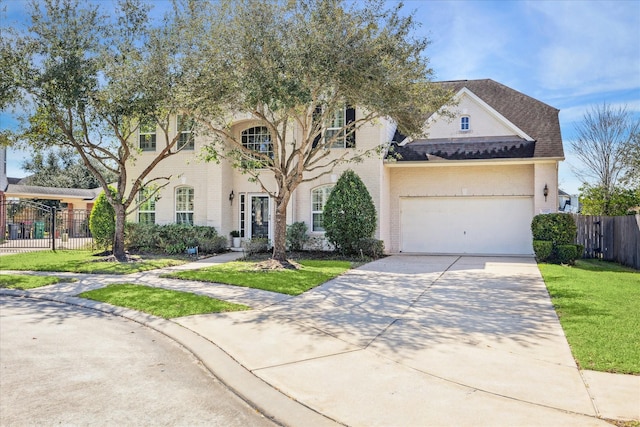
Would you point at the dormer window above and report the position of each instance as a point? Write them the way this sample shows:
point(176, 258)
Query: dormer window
point(464, 123)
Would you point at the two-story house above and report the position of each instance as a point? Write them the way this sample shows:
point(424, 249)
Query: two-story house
point(472, 186)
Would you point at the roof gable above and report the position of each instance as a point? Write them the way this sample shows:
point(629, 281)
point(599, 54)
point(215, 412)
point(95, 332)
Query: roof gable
point(535, 118)
point(505, 122)
point(484, 120)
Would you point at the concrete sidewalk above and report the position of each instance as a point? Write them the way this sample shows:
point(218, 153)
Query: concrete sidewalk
point(406, 340)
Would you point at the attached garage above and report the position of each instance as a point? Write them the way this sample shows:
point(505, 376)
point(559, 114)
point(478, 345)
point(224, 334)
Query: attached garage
point(466, 225)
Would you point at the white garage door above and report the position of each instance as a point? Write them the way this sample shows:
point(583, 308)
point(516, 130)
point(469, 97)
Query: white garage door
point(471, 225)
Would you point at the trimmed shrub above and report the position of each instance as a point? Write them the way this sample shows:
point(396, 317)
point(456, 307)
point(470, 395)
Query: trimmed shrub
point(349, 214)
point(141, 237)
point(372, 248)
point(297, 236)
point(102, 221)
point(579, 251)
point(213, 245)
point(543, 249)
point(173, 238)
point(566, 254)
point(558, 228)
point(255, 245)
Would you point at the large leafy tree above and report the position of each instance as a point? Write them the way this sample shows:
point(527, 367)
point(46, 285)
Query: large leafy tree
point(606, 145)
point(62, 168)
point(292, 65)
point(85, 81)
point(599, 201)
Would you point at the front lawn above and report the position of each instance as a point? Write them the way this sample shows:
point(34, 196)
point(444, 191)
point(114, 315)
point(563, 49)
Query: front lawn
point(290, 282)
point(81, 262)
point(164, 303)
point(24, 282)
point(598, 304)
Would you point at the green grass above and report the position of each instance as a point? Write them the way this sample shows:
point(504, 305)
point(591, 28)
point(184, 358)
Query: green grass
point(79, 262)
point(598, 304)
point(24, 282)
point(160, 302)
point(290, 282)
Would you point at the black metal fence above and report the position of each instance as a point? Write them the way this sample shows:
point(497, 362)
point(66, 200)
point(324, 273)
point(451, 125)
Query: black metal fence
point(28, 225)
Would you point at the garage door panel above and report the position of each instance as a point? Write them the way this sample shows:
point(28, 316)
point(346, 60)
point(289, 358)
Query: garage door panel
point(482, 225)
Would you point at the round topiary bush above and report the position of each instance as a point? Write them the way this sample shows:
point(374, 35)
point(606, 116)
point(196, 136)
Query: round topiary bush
point(102, 221)
point(349, 214)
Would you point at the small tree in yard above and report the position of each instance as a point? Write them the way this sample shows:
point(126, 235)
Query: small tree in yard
point(349, 214)
point(102, 221)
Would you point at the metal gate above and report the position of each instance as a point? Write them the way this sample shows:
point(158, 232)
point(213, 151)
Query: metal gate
point(27, 225)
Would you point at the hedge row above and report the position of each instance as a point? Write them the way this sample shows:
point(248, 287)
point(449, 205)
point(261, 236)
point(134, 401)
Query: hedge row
point(173, 238)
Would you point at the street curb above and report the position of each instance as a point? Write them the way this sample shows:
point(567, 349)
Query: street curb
point(270, 402)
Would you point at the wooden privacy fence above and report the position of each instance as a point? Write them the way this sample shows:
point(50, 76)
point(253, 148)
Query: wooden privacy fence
point(612, 238)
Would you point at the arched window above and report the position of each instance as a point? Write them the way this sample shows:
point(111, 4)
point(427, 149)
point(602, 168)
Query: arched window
point(319, 196)
point(258, 139)
point(184, 205)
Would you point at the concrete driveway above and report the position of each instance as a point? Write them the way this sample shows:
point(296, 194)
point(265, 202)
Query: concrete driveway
point(416, 340)
point(66, 365)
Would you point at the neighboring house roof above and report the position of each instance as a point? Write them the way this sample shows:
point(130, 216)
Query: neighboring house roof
point(563, 193)
point(49, 192)
point(15, 180)
point(535, 118)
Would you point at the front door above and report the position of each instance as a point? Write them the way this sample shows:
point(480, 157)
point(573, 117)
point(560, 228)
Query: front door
point(259, 217)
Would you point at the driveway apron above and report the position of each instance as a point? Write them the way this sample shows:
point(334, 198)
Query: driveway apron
point(416, 340)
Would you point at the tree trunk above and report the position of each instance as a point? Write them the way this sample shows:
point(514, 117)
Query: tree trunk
point(118, 237)
point(280, 230)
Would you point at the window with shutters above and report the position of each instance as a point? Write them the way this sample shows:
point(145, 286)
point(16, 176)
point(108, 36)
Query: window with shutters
point(338, 133)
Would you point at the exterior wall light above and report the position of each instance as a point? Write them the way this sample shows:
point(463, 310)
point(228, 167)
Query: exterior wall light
point(231, 196)
point(545, 192)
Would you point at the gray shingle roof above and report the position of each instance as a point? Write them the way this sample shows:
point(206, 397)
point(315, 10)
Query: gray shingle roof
point(503, 147)
point(535, 118)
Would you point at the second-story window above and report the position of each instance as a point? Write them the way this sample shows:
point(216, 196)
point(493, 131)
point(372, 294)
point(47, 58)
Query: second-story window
point(147, 135)
point(185, 128)
point(464, 123)
point(258, 139)
point(337, 134)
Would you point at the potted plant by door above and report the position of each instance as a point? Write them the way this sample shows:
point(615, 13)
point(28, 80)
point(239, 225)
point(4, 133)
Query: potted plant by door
point(235, 237)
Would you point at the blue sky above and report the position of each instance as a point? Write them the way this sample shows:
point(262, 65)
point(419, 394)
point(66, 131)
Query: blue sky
point(568, 54)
